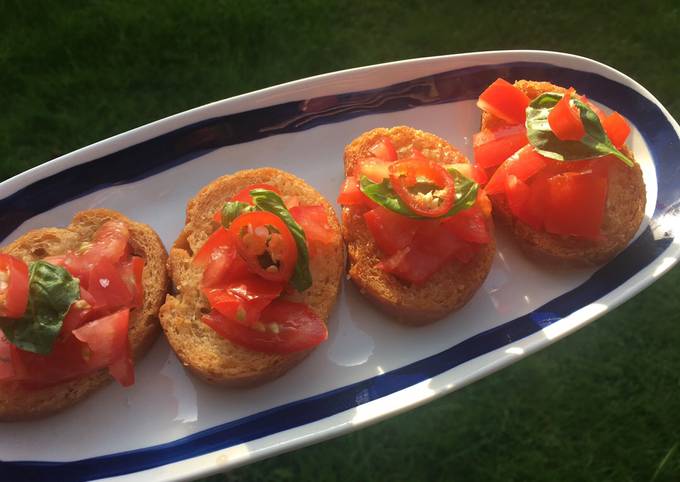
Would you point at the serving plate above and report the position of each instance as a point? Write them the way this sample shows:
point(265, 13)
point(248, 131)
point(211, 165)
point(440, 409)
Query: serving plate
point(171, 426)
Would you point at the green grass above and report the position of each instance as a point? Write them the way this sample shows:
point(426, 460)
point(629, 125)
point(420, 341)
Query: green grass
point(601, 405)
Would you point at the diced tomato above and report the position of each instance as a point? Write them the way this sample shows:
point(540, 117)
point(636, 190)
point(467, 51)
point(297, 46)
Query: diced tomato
point(384, 149)
point(243, 300)
point(219, 239)
point(291, 201)
point(565, 120)
point(576, 204)
point(266, 244)
point(109, 242)
point(417, 155)
point(406, 174)
point(131, 272)
point(523, 164)
point(13, 286)
point(108, 345)
point(505, 101)
point(391, 231)
point(73, 319)
point(469, 225)
point(412, 264)
point(472, 171)
point(107, 286)
point(226, 264)
point(314, 222)
point(484, 202)
point(244, 194)
point(373, 168)
point(351, 195)
point(518, 194)
point(284, 327)
point(617, 129)
point(492, 147)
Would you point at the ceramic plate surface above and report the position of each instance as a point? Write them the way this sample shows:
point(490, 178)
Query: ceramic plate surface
point(170, 425)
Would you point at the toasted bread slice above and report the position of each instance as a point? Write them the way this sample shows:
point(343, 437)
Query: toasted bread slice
point(624, 210)
point(450, 287)
point(198, 346)
point(18, 402)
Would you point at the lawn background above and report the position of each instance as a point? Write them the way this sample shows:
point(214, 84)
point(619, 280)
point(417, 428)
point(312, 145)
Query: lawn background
point(601, 405)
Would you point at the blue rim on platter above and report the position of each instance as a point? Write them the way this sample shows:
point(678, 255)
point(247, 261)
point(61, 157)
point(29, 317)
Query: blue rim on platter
point(179, 146)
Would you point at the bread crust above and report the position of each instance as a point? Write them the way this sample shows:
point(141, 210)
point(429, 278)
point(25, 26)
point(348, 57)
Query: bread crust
point(449, 288)
point(20, 403)
point(199, 348)
point(625, 207)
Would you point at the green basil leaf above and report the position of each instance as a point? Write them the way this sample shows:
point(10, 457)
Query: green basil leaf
point(383, 194)
point(270, 201)
point(233, 209)
point(51, 291)
point(594, 143)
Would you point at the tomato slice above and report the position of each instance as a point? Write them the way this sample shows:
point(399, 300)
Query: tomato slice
point(374, 168)
point(617, 129)
point(491, 148)
point(108, 346)
point(13, 286)
point(406, 175)
point(243, 300)
point(107, 286)
point(284, 327)
point(523, 164)
point(469, 225)
point(391, 231)
point(565, 119)
point(384, 149)
point(351, 195)
point(94, 345)
point(314, 222)
point(244, 194)
point(505, 101)
point(266, 244)
point(109, 242)
point(219, 239)
point(131, 272)
point(576, 204)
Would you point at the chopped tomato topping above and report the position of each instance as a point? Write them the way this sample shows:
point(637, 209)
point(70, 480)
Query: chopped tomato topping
point(284, 327)
point(565, 119)
point(314, 222)
point(244, 299)
point(110, 242)
point(392, 232)
point(384, 149)
point(351, 195)
point(523, 164)
point(491, 148)
point(425, 186)
point(266, 244)
point(13, 286)
point(217, 240)
point(617, 129)
point(576, 204)
point(469, 225)
point(132, 271)
point(107, 286)
point(505, 101)
point(107, 342)
point(373, 168)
